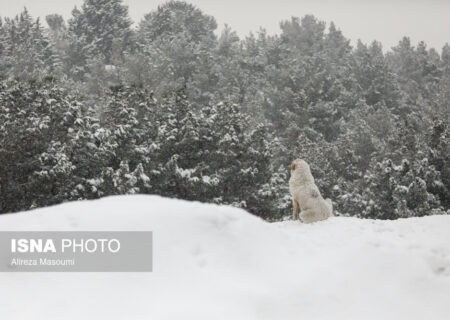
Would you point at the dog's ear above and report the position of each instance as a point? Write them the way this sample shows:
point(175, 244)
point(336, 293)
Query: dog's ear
point(293, 166)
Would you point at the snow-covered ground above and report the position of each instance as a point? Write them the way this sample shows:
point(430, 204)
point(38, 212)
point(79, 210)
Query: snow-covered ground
point(216, 262)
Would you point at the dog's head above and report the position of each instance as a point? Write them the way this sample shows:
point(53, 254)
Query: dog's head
point(300, 168)
point(299, 163)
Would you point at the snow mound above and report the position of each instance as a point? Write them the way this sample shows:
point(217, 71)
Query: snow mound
point(217, 262)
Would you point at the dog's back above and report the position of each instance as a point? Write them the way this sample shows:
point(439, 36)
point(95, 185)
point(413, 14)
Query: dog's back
point(319, 210)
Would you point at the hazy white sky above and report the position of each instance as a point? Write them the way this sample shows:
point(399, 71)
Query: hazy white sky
point(384, 20)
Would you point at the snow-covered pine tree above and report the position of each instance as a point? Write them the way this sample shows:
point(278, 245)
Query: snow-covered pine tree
point(401, 191)
point(58, 38)
point(178, 171)
point(2, 48)
point(39, 123)
point(377, 81)
point(129, 127)
point(26, 50)
point(102, 24)
point(240, 155)
point(178, 40)
point(173, 18)
point(439, 158)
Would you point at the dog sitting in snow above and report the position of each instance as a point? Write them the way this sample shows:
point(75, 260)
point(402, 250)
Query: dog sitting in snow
point(306, 195)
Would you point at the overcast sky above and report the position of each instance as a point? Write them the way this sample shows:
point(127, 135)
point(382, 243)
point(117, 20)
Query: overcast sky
point(384, 20)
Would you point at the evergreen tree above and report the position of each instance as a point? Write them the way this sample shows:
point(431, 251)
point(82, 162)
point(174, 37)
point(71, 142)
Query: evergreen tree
point(175, 18)
point(58, 38)
point(439, 157)
point(377, 82)
point(305, 35)
point(178, 40)
point(25, 49)
point(104, 25)
point(39, 122)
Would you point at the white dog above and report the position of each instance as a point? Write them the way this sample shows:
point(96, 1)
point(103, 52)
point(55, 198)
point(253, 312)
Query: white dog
point(306, 195)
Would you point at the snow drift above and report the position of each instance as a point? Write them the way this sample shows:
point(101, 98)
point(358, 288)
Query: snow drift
point(217, 262)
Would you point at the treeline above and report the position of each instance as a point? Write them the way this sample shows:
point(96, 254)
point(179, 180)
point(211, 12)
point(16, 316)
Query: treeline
point(92, 107)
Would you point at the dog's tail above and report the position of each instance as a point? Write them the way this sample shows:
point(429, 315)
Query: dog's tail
point(330, 206)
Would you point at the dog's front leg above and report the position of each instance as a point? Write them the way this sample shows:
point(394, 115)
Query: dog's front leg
point(295, 213)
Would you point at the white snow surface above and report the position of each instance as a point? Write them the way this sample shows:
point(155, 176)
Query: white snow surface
point(217, 262)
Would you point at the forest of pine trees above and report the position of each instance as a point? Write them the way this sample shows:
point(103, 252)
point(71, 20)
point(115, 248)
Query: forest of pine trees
point(92, 107)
